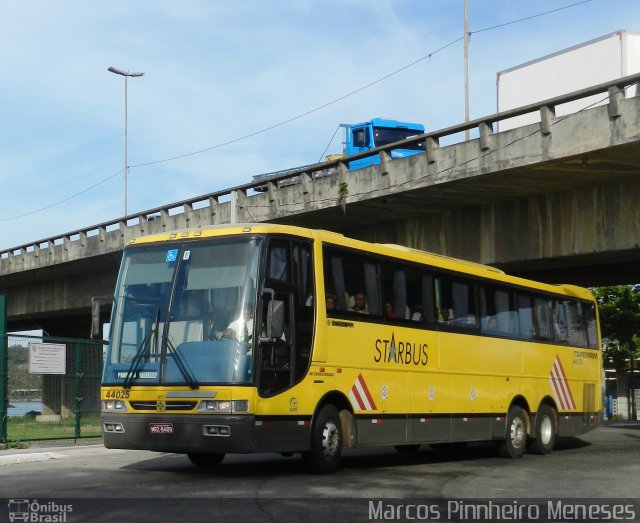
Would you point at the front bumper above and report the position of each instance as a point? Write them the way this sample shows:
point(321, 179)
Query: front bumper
point(185, 433)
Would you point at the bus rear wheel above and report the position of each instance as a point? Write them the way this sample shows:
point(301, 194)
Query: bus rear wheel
point(515, 442)
point(201, 459)
point(326, 442)
point(546, 429)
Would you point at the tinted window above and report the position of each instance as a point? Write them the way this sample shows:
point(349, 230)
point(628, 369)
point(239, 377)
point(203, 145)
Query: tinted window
point(407, 293)
point(353, 281)
point(456, 300)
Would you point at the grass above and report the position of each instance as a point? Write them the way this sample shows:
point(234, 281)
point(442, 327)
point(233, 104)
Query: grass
point(28, 429)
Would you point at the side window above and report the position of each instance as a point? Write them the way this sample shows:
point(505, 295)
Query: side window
point(360, 137)
point(576, 324)
point(304, 313)
point(278, 260)
point(592, 329)
point(559, 322)
point(303, 272)
point(498, 311)
point(542, 318)
point(407, 293)
point(525, 317)
point(456, 299)
point(352, 282)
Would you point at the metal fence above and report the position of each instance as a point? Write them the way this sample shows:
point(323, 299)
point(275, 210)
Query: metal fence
point(50, 388)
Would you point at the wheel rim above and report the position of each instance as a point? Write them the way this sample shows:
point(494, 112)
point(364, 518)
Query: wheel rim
point(330, 440)
point(546, 430)
point(518, 432)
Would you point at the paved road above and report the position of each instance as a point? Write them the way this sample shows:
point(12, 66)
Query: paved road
point(101, 484)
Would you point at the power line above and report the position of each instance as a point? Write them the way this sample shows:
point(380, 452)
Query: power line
point(63, 200)
point(302, 115)
point(360, 89)
point(529, 17)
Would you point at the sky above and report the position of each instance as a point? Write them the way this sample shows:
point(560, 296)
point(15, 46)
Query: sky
point(218, 71)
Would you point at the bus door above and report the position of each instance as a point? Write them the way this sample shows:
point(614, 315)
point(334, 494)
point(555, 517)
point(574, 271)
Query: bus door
point(283, 360)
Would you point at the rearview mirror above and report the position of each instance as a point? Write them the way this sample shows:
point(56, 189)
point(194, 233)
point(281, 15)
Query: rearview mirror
point(275, 319)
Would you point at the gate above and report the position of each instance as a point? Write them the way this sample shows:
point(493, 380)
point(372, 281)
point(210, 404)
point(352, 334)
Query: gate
point(49, 386)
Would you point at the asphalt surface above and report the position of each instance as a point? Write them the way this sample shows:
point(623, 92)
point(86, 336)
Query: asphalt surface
point(600, 467)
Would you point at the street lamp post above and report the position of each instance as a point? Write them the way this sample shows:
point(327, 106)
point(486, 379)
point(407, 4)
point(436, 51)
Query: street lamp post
point(126, 74)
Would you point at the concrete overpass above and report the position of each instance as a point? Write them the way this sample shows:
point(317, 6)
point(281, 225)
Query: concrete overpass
point(556, 201)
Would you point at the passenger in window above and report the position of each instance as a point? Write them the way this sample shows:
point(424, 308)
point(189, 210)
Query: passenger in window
point(417, 315)
point(330, 301)
point(360, 303)
point(389, 312)
point(492, 324)
point(446, 315)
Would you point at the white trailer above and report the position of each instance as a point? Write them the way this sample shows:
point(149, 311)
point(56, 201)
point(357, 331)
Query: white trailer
point(594, 62)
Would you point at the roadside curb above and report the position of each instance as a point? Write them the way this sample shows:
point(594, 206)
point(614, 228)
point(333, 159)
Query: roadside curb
point(43, 453)
point(30, 457)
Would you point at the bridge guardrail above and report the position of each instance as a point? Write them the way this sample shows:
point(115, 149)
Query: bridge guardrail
point(484, 125)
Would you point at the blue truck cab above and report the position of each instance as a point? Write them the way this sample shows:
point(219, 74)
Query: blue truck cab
point(377, 132)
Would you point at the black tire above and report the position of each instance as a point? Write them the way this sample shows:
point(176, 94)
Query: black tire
point(200, 459)
point(546, 431)
point(407, 449)
point(515, 442)
point(326, 442)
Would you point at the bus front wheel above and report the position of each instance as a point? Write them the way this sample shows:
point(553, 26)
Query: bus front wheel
point(515, 442)
point(545, 434)
point(326, 442)
point(201, 459)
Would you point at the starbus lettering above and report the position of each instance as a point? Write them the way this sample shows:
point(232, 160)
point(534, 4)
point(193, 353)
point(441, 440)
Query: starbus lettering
point(405, 352)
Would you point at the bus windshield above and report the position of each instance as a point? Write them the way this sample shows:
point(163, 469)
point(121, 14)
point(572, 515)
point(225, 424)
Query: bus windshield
point(183, 314)
point(386, 135)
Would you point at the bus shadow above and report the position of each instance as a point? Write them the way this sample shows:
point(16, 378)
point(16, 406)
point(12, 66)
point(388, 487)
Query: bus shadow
point(569, 443)
point(269, 465)
point(258, 465)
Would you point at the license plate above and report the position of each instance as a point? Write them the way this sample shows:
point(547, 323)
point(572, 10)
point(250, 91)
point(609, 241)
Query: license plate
point(161, 428)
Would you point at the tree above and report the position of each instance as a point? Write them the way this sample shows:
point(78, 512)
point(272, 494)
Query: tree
point(619, 308)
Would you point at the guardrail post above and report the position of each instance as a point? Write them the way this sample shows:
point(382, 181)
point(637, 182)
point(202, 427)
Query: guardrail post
point(432, 145)
point(384, 162)
point(485, 136)
point(142, 223)
point(306, 182)
point(616, 94)
point(213, 206)
point(164, 218)
point(4, 371)
point(188, 213)
point(547, 116)
point(271, 191)
point(238, 198)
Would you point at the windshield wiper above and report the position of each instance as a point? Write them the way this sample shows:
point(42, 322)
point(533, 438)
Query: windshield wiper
point(143, 352)
point(193, 384)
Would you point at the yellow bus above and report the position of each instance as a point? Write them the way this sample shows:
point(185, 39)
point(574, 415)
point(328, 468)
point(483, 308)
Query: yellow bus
point(273, 338)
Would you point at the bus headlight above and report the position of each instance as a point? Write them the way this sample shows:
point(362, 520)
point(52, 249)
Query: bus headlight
point(224, 406)
point(109, 405)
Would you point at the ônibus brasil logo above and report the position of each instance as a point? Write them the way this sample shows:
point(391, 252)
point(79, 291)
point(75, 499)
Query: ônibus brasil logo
point(37, 511)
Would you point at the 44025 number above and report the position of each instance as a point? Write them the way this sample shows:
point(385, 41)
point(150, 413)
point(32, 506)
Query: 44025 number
point(117, 394)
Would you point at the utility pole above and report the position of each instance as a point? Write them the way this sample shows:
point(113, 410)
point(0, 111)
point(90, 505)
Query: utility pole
point(466, 69)
point(126, 75)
